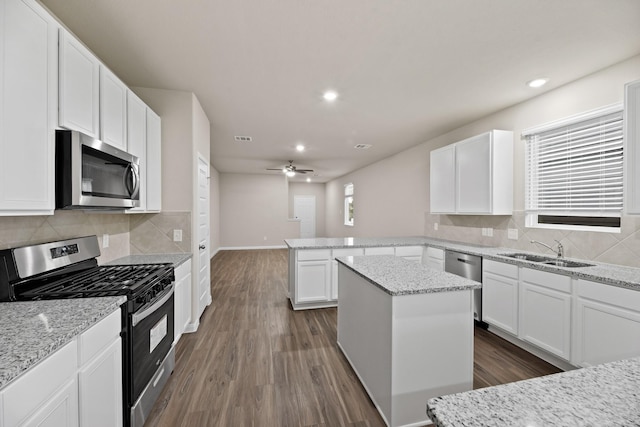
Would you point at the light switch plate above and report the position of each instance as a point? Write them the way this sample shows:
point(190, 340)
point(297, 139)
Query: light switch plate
point(105, 240)
point(435, 226)
point(512, 234)
point(489, 232)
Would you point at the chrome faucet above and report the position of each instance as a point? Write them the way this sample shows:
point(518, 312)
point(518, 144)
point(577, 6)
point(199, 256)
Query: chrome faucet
point(559, 251)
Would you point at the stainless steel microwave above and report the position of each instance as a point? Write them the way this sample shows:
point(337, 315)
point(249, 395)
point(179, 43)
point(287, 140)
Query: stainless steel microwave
point(93, 175)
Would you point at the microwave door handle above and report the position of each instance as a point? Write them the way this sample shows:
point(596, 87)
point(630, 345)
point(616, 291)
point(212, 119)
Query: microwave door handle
point(132, 181)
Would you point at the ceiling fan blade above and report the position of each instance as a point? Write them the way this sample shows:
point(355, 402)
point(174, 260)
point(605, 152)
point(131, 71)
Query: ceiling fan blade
point(270, 169)
point(304, 170)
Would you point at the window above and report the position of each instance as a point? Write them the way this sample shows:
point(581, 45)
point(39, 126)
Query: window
point(574, 177)
point(348, 204)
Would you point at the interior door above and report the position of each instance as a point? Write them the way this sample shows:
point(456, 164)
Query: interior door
point(304, 208)
point(204, 288)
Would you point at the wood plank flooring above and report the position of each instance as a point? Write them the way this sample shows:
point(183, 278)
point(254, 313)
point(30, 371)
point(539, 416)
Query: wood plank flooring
point(256, 362)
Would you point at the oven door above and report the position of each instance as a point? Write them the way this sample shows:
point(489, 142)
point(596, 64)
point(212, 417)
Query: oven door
point(151, 339)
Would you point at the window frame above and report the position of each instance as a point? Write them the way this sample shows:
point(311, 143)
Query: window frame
point(569, 222)
point(349, 216)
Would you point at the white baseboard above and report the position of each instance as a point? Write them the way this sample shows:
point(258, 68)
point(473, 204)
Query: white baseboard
point(245, 248)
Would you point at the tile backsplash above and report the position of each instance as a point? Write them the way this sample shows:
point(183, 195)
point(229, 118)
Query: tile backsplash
point(128, 234)
point(613, 248)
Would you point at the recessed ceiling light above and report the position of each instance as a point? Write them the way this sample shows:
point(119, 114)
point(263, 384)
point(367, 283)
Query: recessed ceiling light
point(300, 147)
point(330, 95)
point(537, 82)
point(308, 179)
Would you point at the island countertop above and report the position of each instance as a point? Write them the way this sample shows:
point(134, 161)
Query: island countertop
point(602, 395)
point(33, 330)
point(398, 276)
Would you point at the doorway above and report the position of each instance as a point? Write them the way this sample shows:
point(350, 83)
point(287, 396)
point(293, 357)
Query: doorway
point(304, 209)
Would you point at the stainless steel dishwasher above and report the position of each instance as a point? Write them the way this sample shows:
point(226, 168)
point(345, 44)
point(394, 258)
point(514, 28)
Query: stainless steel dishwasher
point(469, 267)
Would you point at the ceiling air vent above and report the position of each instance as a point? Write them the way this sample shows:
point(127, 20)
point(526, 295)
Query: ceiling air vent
point(243, 138)
point(362, 146)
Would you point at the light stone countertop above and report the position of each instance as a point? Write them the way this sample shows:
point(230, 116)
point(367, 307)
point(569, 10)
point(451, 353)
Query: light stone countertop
point(33, 330)
point(610, 274)
point(603, 395)
point(175, 259)
point(398, 276)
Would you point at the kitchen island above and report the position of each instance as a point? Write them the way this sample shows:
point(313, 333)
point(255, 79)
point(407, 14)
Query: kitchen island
point(602, 395)
point(407, 331)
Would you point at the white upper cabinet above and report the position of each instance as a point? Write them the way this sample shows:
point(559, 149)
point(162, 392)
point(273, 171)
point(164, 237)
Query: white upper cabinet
point(154, 162)
point(137, 141)
point(28, 113)
point(480, 182)
point(79, 86)
point(113, 109)
point(443, 180)
point(632, 147)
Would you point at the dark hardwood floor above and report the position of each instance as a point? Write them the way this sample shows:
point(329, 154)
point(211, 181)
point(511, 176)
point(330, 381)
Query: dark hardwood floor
point(256, 362)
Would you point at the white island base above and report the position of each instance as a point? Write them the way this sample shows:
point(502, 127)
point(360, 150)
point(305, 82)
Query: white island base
point(405, 349)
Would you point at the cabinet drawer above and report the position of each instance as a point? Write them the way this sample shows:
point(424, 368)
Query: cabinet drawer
point(314, 255)
point(613, 295)
point(436, 253)
point(28, 392)
point(99, 336)
point(347, 252)
point(182, 270)
point(554, 281)
point(409, 251)
point(379, 251)
point(501, 268)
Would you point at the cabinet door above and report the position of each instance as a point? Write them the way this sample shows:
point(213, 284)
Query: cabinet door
point(632, 147)
point(607, 324)
point(545, 319)
point(137, 142)
point(113, 109)
point(100, 385)
point(442, 180)
point(79, 86)
point(313, 281)
point(154, 162)
point(28, 113)
point(473, 175)
point(500, 301)
point(61, 410)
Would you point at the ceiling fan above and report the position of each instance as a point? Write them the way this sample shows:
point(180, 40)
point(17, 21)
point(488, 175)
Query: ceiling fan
point(290, 170)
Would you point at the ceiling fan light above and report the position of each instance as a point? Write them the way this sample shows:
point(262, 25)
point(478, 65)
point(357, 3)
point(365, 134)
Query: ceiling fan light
point(291, 174)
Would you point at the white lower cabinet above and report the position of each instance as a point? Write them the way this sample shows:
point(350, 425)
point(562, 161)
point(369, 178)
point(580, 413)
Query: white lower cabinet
point(411, 253)
point(607, 323)
point(434, 258)
point(78, 385)
point(337, 253)
point(313, 276)
point(182, 299)
point(500, 295)
point(545, 311)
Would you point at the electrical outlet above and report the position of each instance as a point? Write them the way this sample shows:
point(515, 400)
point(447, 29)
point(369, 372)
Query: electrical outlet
point(177, 235)
point(484, 231)
point(512, 233)
point(105, 240)
point(435, 226)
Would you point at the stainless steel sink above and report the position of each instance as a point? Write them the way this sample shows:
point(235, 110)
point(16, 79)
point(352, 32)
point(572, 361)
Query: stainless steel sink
point(548, 260)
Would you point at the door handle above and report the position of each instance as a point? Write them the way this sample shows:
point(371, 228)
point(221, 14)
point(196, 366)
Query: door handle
point(202, 247)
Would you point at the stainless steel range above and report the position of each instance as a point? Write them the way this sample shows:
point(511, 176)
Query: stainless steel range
point(69, 269)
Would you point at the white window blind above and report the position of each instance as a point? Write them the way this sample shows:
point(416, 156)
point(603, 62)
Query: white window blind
point(576, 169)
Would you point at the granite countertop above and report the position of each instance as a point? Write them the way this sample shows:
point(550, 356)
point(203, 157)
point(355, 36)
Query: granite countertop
point(610, 274)
point(398, 276)
point(603, 395)
point(33, 330)
point(175, 259)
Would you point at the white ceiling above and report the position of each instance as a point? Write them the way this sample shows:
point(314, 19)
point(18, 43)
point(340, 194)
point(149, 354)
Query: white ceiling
point(406, 71)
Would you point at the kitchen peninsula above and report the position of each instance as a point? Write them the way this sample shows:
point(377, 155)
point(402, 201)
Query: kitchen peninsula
point(407, 331)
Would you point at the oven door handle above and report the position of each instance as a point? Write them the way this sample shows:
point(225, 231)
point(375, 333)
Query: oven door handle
point(140, 316)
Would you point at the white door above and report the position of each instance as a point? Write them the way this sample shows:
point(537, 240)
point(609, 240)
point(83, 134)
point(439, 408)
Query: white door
point(304, 208)
point(204, 289)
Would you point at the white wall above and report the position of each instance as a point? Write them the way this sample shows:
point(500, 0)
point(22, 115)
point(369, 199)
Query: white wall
point(392, 196)
point(254, 211)
point(310, 189)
